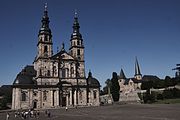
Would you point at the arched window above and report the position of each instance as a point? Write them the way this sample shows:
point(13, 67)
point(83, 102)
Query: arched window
point(78, 52)
point(45, 49)
point(54, 70)
point(48, 73)
point(95, 94)
point(80, 95)
point(78, 43)
point(45, 95)
point(72, 71)
point(67, 72)
point(40, 72)
point(23, 96)
point(45, 38)
point(63, 73)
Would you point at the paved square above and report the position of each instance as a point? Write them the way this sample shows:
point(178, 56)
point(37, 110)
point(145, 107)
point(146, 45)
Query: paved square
point(111, 112)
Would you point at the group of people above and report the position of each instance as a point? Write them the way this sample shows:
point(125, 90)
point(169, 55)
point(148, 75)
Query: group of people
point(31, 113)
point(25, 114)
point(48, 113)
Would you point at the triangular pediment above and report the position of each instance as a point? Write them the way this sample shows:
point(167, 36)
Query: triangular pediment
point(63, 55)
point(66, 56)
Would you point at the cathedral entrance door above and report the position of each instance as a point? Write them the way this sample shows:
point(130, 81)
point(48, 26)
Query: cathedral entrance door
point(34, 104)
point(63, 101)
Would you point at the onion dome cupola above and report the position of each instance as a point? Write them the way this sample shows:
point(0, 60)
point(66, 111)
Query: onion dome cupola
point(91, 81)
point(138, 74)
point(44, 45)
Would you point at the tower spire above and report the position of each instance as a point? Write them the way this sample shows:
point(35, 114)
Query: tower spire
point(76, 33)
point(45, 37)
point(122, 75)
point(76, 49)
point(45, 22)
point(138, 74)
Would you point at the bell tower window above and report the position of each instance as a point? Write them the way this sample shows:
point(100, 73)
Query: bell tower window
point(78, 52)
point(45, 38)
point(78, 43)
point(45, 49)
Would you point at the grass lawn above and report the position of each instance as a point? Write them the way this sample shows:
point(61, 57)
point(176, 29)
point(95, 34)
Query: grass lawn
point(168, 101)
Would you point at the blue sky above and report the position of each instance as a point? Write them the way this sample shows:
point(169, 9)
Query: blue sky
point(114, 32)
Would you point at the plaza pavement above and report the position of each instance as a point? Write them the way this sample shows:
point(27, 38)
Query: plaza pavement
point(111, 112)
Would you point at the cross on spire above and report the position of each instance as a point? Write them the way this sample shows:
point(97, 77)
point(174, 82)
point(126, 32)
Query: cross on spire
point(46, 7)
point(75, 13)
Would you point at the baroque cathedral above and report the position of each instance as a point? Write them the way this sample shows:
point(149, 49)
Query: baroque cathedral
point(56, 80)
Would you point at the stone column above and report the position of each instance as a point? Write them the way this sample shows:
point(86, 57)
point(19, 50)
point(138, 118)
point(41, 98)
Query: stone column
point(18, 98)
point(70, 98)
point(57, 97)
point(75, 92)
point(30, 97)
point(67, 100)
point(40, 98)
point(52, 97)
point(13, 97)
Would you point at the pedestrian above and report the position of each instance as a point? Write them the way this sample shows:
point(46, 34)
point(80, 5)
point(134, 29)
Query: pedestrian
point(7, 116)
point(66, 108)
point(15, 114)
point(46, 112)
point(38, 114)
point(49, 114)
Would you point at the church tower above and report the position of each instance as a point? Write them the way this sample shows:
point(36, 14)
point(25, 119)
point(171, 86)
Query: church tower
point(44, 38)
point(138, 74)
point(42, 62)
point(77, 47)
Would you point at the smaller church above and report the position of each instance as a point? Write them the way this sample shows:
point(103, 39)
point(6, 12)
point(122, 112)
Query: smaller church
point(129, 87)
point(56, 80)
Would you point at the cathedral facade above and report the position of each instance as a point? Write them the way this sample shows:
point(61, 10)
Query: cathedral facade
point(56, 80)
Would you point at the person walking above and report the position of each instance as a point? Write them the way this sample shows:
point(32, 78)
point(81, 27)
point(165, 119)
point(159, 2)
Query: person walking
point(66, 108)
point(49, 114)
point(7, 116)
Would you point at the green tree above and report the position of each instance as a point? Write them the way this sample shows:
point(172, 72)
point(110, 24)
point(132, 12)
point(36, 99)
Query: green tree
point(108, 84)
point(115, 87)
point(146, 85)
point(167, 81)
